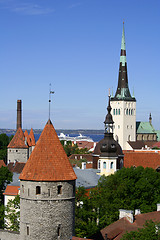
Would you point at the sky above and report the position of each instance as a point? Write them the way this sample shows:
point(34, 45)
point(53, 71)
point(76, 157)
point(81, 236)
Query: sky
point(74, 45)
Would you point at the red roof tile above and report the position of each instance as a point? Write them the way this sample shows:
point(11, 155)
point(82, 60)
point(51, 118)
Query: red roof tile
point(118, 228)
point(48, 161)
point(18, 141)
point(2, 163)
point(18, 167)
point(31, 135)
point(27, 138)
point(144, 159)
point(11, 190)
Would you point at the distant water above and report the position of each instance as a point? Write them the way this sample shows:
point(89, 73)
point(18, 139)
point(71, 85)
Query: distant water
point(95, 137)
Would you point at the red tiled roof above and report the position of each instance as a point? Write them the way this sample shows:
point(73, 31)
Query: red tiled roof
point(48, 161)
point(2, 163)
point(144, 159)
point(118, 228)
point(18, 167)
point(11, 190)
point(27, 138)
point(10, 166)
point(85, 144)
point(31, 135)
point(18, 141)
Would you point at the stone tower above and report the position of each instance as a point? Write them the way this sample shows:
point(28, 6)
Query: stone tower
point(47, 191)
point(123, 104)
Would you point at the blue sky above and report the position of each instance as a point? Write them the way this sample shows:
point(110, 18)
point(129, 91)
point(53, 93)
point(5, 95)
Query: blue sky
point(75, 46)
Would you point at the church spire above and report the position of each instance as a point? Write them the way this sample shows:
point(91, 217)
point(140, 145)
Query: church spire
point(123, 92)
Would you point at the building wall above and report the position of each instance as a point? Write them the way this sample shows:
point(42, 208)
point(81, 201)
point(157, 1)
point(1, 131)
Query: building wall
point(146, 137)
point(124, 117)
point(107, 165)
point(48, 214)
point(17, 154)
point(6, 235)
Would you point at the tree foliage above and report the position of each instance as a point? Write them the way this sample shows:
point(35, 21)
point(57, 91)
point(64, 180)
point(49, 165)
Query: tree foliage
point(73, 149)
point(5, 178)
point(150, 231)
point(129, 188)
point(12, 214)
point(4, 141)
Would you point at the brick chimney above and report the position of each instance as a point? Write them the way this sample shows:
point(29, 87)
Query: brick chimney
point(19, 113)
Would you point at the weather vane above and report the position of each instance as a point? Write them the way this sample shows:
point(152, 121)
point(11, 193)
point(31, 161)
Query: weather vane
point(50, 92)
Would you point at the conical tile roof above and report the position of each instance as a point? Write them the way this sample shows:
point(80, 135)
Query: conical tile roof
point(27, 138)
point(18, 141)
point(48, 161)
point(31, 135)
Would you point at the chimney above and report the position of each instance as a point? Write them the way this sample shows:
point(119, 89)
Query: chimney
point(137, 211)
point(126, 213)
point(19, 114)
point(158, 206)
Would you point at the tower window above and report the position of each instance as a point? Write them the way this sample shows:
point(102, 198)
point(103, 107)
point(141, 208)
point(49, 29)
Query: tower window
point(59, 189)
point(116, 112)
point(113, 111)
point(22, 188)
point(49, 193)
point(28, 192)
point(119, 111)
point(58, 230)
point(111, 165)
point(38, 190)
point(118, 126)
point(27, 230)
point(127, 111)
point(104, 165)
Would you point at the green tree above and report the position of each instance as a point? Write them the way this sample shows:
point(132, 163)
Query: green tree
point(5, 178)
point(12, 214)
point(4, 141)
point(73, 149)
point(129, 188)
point(149, 232)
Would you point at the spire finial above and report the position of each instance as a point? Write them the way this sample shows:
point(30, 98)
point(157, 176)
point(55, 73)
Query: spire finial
point(150, 118)
point(50, 92)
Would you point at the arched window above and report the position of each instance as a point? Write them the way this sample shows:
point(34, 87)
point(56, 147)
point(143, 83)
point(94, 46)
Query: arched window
point(111, 166)
point(38, 190)
point(131, 111)
point(129, 138)
point(116, 112)
point(127, 111)
point(104, 165)
point(116, 137)
point(113, 111)
point(119, 111)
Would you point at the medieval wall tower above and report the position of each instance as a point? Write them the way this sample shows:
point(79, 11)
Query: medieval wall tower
point(47, 191)
point(123, 104)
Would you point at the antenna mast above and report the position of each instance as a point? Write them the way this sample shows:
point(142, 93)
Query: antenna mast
point(50, 92)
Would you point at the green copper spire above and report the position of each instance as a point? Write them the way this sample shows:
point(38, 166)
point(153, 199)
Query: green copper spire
point(123, 92)
point(123, 49)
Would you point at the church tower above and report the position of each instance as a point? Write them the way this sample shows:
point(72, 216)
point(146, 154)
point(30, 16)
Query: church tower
point(123, 104)
point(47, 191)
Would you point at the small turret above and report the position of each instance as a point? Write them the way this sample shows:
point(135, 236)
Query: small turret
point(150, 119)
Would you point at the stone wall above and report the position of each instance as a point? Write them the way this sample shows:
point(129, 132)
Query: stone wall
point(48, 213)
point(6, 235)
point(17, 154)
